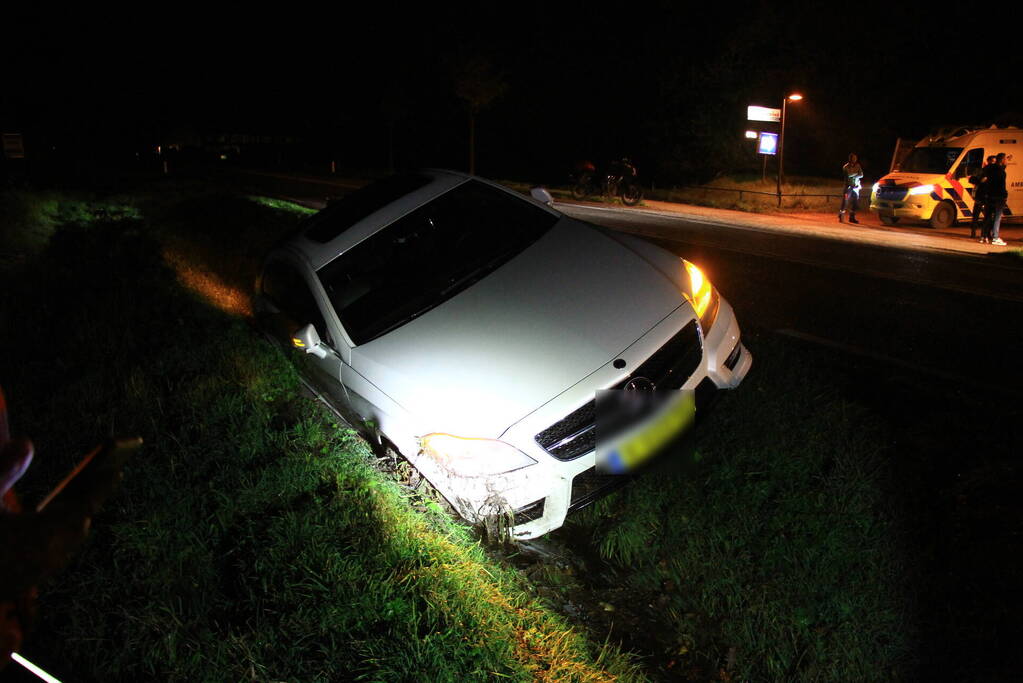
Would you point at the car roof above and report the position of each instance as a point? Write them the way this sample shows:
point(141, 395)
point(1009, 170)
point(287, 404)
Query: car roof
point(319, 253)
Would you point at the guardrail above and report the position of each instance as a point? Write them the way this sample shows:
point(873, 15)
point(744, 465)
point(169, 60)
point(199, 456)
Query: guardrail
point(741, 191)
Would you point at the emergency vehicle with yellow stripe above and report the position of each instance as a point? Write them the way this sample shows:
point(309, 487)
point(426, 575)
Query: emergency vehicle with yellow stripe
point(932, 183)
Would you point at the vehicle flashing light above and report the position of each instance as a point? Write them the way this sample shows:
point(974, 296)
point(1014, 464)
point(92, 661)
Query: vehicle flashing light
point(702, 292)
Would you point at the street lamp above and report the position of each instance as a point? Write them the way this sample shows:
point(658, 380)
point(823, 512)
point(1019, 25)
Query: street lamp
point(794, 97)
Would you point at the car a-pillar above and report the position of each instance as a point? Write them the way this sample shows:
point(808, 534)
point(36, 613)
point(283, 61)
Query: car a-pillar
point(944, 215)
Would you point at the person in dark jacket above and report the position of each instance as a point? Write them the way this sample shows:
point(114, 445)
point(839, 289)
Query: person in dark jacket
point(979, 200)
point(994, 179)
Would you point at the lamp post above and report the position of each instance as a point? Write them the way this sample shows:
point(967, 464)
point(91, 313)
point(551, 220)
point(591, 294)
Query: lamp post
point(794, 97)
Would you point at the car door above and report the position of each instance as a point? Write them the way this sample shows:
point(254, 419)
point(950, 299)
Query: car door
point(971, 165)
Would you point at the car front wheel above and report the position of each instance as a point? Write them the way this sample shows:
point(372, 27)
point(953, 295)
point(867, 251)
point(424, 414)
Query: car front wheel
point(944, 215)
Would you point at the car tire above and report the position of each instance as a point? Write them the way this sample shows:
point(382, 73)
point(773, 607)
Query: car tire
point(888, 220)
point(579, 190)
point(944, 215)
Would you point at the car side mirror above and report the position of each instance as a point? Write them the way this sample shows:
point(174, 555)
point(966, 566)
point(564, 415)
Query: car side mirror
point(308, 339)
point(541, 195)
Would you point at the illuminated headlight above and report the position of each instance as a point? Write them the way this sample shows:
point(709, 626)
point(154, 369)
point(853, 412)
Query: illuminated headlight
point(922, 189)
point(702, 296)
point(876, 187)
point(473, 457)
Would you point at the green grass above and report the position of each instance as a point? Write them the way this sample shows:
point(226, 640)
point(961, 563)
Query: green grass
point(28, 219)
point(253, 537)
point(780, 545)
point(282, 205)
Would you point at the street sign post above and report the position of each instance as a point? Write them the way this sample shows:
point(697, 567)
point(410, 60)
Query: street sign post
point(767, 145)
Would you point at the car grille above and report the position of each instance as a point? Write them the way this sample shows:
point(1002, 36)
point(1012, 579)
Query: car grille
point(668, 368)
point(891, 193)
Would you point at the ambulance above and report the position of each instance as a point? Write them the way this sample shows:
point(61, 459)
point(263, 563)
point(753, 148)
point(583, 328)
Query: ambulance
point(932, 182)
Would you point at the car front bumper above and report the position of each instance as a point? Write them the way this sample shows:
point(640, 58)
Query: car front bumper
point(535, 500)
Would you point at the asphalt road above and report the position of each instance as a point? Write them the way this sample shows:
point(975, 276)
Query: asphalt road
point(929, 341)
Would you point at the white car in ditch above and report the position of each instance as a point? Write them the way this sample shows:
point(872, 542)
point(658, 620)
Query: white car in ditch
point(473, 328)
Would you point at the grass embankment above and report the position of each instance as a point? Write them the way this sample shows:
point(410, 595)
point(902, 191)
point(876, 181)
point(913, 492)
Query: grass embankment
point(776, 557)
point(742, 193)
point(252, 536)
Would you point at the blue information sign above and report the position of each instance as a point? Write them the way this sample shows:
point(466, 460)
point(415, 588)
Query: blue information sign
point(768, 143)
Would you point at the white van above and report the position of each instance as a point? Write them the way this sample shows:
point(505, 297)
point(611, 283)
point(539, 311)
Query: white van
point(932, 182)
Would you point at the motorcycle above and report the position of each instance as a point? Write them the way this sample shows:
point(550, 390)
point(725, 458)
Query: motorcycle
point(608, 185)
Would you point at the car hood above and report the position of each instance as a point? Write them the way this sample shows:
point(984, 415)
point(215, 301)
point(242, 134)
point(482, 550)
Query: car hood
point(537, 325)
point(911, 179)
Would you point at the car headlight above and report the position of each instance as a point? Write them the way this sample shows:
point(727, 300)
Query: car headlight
point(876, 187)
point(702, 296)
point(922, 189)
point(473, 457)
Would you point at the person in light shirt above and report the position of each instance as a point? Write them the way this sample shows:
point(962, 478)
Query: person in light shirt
point(853, 173)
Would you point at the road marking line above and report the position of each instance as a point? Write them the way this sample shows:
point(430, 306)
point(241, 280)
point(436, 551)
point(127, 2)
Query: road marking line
point(305, 179)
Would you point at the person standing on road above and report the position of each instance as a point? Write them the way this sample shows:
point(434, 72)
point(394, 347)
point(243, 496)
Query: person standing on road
point(997, 194)
point(980, 202)
point(853, 173)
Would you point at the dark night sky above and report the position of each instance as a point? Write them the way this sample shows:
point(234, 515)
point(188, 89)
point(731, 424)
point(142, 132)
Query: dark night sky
point(657, 81)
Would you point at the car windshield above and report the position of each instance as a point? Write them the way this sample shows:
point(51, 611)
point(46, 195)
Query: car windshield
point(428, 256)
point(930, 159)
point(352, 208)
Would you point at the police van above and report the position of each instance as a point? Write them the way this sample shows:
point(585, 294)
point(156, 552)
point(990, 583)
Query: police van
point(932, 182)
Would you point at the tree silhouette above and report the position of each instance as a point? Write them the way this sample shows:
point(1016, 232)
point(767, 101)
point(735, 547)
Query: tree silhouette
point(478, 85)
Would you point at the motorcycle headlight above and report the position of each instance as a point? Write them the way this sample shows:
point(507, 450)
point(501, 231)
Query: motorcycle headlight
point(922, 189)
point(702, 295)
point(473, 457)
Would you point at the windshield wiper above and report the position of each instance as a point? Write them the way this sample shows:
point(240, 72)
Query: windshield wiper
point(478, 273)
point(402, 321)
point(469, 278)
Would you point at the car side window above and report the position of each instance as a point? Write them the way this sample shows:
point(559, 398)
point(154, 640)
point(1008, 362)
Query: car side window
point(288, 290)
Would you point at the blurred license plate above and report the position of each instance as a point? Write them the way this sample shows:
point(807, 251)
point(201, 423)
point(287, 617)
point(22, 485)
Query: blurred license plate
point(636, 445)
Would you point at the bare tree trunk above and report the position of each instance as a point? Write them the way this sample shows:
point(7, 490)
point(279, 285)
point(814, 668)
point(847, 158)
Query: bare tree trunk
point(390, 146)
point(472, 143)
